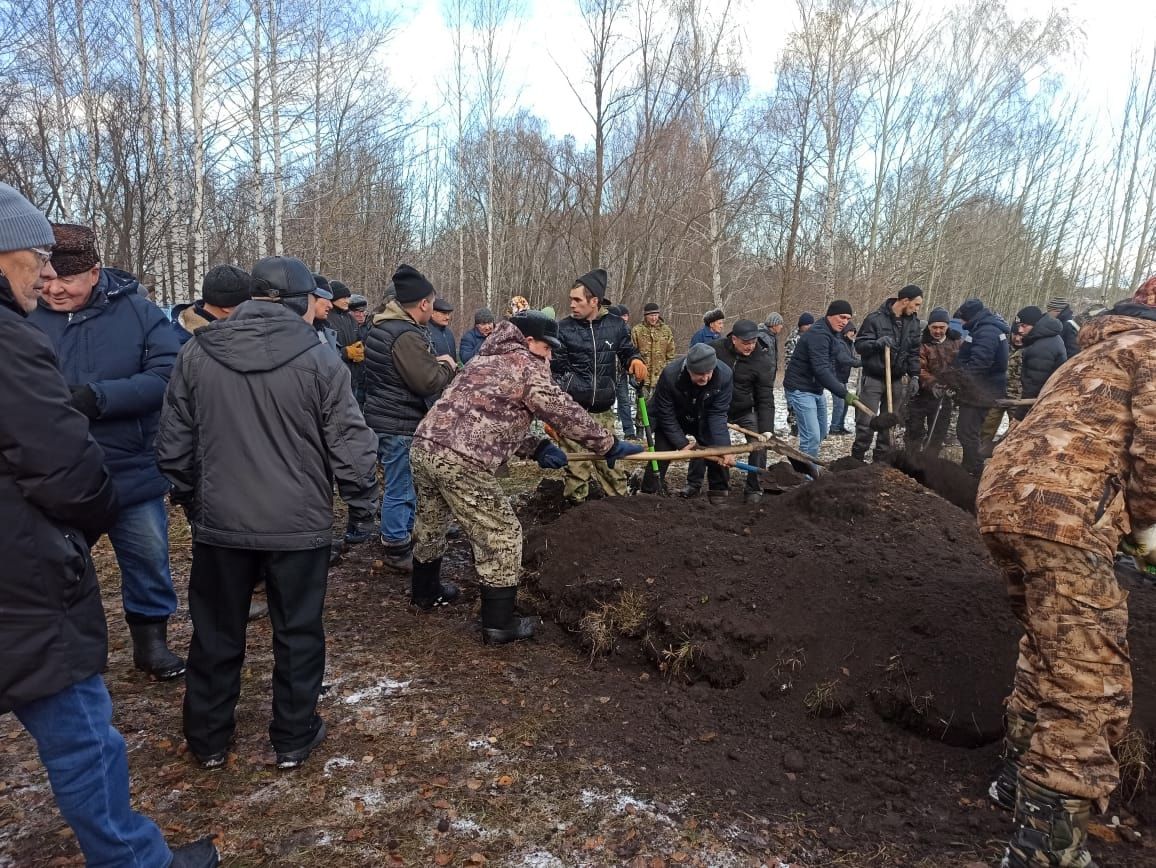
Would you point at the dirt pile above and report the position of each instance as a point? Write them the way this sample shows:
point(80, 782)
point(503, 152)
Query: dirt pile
point(798, 640)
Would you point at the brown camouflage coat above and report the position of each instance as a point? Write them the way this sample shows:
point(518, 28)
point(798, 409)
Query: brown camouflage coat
point(484, 416)
point(1079, 469)
point(656, 346)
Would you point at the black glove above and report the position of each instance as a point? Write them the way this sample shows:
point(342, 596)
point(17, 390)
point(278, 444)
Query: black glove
point(621, 449)
point(549, 456)
point(888, 341)
point(84, 399)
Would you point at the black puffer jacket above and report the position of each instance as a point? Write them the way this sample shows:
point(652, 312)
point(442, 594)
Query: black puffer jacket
point(586, 366)
point(903, 331)
point(754, 382)
point(681, 408)
point(54, 492)
point(1044, 352)
point(258, 420)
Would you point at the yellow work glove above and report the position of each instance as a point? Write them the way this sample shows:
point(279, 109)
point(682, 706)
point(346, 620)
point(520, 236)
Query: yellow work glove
point(355, 353)
point(638, 370)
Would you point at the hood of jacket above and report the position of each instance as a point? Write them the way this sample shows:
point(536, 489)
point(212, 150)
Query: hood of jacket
point(506, 338)
point(1046, 327)
point(990, 319)
point(394, 311)
point(1124, 317)
point(8, 297)
point(191, 317)
point(258, 336)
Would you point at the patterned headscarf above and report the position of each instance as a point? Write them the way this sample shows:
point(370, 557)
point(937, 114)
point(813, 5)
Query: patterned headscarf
point(518, 304)
point(1146, 294)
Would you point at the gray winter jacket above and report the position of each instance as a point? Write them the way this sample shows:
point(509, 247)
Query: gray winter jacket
point(258, 419)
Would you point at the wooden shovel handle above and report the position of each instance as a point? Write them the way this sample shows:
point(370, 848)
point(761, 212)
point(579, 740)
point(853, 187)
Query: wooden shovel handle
point(887, 377)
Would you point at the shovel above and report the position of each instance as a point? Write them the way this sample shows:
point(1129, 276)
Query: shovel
point(673, 455)
point(800, 460)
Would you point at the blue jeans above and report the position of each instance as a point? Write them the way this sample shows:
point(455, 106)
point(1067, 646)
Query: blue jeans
point(811, 417)
point(140, 539)
point(88, 769)
point(838, 413)
point(625, 407)
point(398, 499)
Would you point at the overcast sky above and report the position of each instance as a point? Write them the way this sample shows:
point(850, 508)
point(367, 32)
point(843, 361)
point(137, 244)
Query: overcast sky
point(549, 44)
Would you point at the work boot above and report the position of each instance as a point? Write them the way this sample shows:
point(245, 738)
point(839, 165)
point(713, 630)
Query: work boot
point(717, 498)
point(293, 758)
point(1051, 830)
point(150, 651)
point(1016, 741)
point(199, 854)
point(499, 623)
point(752, 497)
point(427, 590)
point(398, 556)
point(689, 491)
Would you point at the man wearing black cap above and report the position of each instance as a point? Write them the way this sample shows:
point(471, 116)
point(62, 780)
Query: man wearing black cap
point(594, 345)
point(258, 420)
point(222, 289)
point(691, 400)
point(404, 376)
point(930, 411)
point(753, 399)
point(473, 339)
point(354, 352)
point(441, 335)
point(624, 398)
point(893, 326)
point(812, 369)
point(713, 323)
point(346, 328)
point(321, 303)
point(482, 419)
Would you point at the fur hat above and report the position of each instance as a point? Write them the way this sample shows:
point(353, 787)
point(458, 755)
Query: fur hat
point(75, 251)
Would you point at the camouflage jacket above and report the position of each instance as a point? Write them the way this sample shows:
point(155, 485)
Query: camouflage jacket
point(1079, 469)
point(789, 347)
point(484, 416)
point(1015, 367)
point(656, 345)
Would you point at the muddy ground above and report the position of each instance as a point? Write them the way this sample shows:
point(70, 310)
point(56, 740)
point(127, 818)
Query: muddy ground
point(814, 681)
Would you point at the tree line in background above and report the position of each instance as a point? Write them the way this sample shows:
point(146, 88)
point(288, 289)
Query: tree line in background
point(898, 145)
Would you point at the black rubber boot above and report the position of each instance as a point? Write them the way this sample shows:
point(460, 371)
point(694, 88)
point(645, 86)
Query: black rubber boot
point(427, 590)
point(499, 623)
point(1051, 830)
point(150, 651)
point(199, 854)
point(689, 491)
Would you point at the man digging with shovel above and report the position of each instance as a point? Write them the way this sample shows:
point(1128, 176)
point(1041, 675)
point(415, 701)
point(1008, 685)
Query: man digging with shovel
point(480, 420)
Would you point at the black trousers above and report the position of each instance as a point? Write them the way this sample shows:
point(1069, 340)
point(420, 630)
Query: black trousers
point(928, 412)
point(969, 428)
point(221, 584)
point(719, 476)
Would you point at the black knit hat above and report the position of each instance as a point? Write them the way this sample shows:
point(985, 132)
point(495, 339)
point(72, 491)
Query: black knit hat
point(595, 281)
point(619, 310)
point(1030, 315)
point(713, 315)
point(940, 314)
point(910, 291)
point(535, 324)
point(226, 286)
point(839, 307)
point(339, 290)
point(806, 318)
point(442, 305)
point(411, 285)
point(650, 307)
point(969, 310)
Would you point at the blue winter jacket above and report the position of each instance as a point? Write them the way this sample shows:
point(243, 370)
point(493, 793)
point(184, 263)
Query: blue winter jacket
point(703, 336)
point(815, 363)
point(471, 342)
point(123, 346)
point(983, 354)
point(443, 341)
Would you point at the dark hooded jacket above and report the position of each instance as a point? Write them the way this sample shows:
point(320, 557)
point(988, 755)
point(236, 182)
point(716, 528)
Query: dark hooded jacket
point(187, 318)
point(471, 342)
point(123, 346)
point(754, 382)
point(815, 361)
point(983, 354)
point(55, 494)
point(587, 365)
point(258, 420)
point(680, 408)
point(442, 340)
point(1070, 332)
point(904, 333)
point(846, 359)
point(1043, 354)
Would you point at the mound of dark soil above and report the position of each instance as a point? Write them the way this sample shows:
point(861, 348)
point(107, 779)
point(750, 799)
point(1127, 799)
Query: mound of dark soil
point(843, 644)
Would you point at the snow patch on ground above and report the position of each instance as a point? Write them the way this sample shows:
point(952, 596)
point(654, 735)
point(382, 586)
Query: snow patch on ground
point(385, 687)
point(337, 762)
point(539, 859)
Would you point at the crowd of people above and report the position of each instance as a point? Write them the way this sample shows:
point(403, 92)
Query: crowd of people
point(246, 407)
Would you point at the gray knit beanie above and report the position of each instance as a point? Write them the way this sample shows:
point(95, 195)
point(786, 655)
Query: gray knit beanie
point(774, 319)
point(21, 223)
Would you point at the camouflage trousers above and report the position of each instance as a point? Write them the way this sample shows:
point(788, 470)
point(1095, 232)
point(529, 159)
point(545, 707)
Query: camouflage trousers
point(579, 474)
point(449, 489)
point(1073, 674)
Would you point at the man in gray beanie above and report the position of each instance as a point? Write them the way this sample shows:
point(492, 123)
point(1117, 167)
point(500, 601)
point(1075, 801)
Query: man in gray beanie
point(56, 497)
point(691, 400)
point(473, 339)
